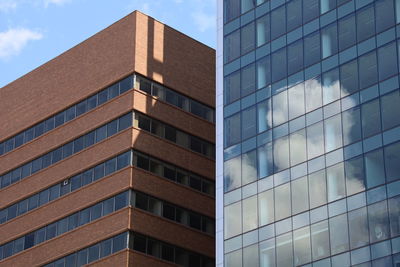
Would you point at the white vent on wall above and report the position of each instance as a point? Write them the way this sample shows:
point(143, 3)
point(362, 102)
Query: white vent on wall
point(65, 182)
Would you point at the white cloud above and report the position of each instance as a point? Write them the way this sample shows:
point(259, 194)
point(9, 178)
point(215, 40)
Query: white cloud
point(6, 5)
point(55, 2)
point(14, 40)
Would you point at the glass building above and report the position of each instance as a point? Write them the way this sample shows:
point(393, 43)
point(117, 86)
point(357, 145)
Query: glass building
point(308, 133)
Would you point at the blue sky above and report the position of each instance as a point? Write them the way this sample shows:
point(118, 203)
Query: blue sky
point(34, 31)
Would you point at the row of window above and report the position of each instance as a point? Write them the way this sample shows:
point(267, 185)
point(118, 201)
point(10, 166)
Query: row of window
point(174, 98)
point(66, 115)
point(335, 37)
point(355, 229)
point(65, 225)
point(174, 213)
point(172, 134)
point(97, 251)
point(346, 128)
point(66, 150)
point(173, 173)
point(65, 187)
point(288, 250)
point(104, 169)
point(298, 12)
point(350, 77)
point(168, 252)
point(137, 242)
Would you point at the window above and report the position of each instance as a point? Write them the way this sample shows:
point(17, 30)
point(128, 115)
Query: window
point(317, 188)
point(278, 22)
point(247, 38)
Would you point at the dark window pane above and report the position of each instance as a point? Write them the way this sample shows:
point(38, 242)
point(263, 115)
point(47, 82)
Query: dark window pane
point(169, 211)
point(232, 130)
point(12, 212)
point(29, 134)
point(102, 96)
point(78, 144)
point(108, 206)
point(16, 175)
point(352, 126)
point(98, 172)
point(101, 133)
point(387, 62)
point(294, 16)
point(89, 138)
point(70, 260)
point(121, 200)
point(119, 242)
point(19, 140)
point(70, 114)
point(87, 177)
point(49, 124)
point(81, 108)
point(231, 47)
point(169, 173)
point(347, 32)
point(247, 38)
point(36, 165)
point(123, 160)
point(139, 243)
point(62, 226)
point(6, 180)
point(312, 50)
point(59, 119)
point(231, 9)
point(40, 235)
point(370, 118)
point(278, 22)
point(170, 133)
point(92, 102)
point(54, 192)
point(44, 197)
point(73, 221)
point(76, 182)
point(95, 211)
point(33, 202)
point(143, 162)
point(65, 187)
point(349, 78)
point(22, 206)
point(110, 166)
point(384, 14)
point(125, 122)
point(105, 248)
point(112, 127)
point(310, 10)
point(56, 155)
point(232, 87)
point(365, 23)
point(279, 65)
point(368, 70)
point(68, 149)
point(392, 159)
point(390, 110)
point(248, 77)
point(39, 129)
point(374, 168)
point(295, 57)
point(82, 257)
point(9, 145)
point(329, 40)
point(46, 160)
point(167, 253)
point(355, 179)
point(51, 231)
point(29, 240)
point(113, 90)
point(195, 221)
point(125, 84)
point(84, 216)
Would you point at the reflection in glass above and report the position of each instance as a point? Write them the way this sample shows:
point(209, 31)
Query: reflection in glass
point(280, 108)
point(347, 32)
point(365, 23)
point(313, 92)
point(263, 72)
point(349, 78)
point(284, 251)
point(264, 156)
point(333, 133)
point(279, 65)
point(232, 87)
point(358, 228)
point(294, 15)
point(266, 207)
point(247, 38)
point(250, 256)
point(384, 14)
point(394, 211)
point(248, 78)
point(232, 174)
point(278, 22)
point(300, 195)
point(302, 246)
point(298, 151)
point(390, 110)
point(351, 120)
point(296, 101)
point(335, 181)
point(250, 218)
point(371, 119)
point(249, 167)
point(281, 154)
point(264, 116)
point(368, 69)
point(320, 240)
point(378, 221)
point(315, 140)
point(339, 234)
point(267, 253)
point(374, 170)
point(330, 86)
point(317, 188)
point(387, 62)
point(312, 49)
point(249, 123)
point(234, 259)
point(232, 130)
point(295, 56)
point(232, 226)
point(355, 181)
point(282, 201)
point(329, 40)
point(232, 46)
point(392, 159)
point(263, 30)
